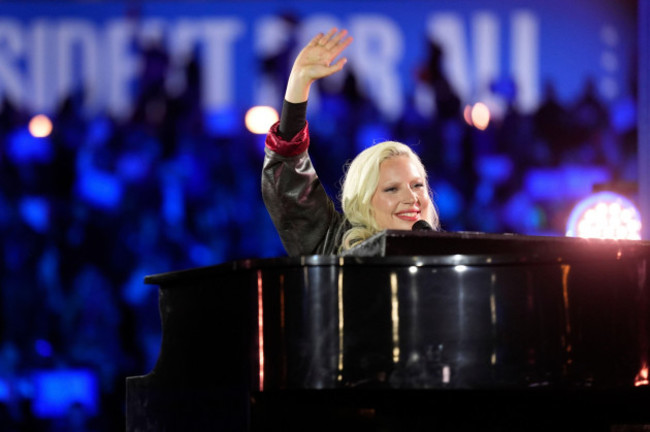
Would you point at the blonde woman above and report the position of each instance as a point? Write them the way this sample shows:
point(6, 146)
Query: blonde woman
point(385, 186)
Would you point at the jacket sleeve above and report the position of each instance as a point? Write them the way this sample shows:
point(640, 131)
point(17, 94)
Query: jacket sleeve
point(303, 214)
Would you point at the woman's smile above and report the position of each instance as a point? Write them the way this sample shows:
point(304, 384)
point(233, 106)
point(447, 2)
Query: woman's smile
point(402, 196)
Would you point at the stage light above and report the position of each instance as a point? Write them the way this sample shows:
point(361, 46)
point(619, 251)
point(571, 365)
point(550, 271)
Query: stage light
point(477, 115)
point(259, 119)
point(40, 126)
point(5, 390)
point(480, 116)
point(35, 212)
point(467, 115)
point(43, 348)
point(605, 215)
point(641, 378)
point(56, 391)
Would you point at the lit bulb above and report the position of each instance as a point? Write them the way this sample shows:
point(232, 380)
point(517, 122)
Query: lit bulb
point(480, 116)
point(40, 126)
point(605, 215)
point(259, 119)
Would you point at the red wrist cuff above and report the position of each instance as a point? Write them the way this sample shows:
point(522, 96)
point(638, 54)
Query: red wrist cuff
point(298, 144)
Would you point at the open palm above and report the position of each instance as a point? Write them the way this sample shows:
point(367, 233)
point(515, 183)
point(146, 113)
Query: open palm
point(315, 59)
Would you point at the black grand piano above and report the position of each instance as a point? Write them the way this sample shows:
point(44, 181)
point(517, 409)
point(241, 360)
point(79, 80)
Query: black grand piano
point(410, 331)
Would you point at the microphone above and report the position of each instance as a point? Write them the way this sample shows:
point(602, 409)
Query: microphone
point(421, 225)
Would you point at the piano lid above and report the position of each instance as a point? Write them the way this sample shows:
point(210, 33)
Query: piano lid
point(405, 248)
point(397, 242)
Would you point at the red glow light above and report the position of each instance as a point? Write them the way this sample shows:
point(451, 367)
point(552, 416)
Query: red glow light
point(260, 328)
point(641, 378)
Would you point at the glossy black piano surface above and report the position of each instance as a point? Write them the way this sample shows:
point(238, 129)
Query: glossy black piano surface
point(401, 333)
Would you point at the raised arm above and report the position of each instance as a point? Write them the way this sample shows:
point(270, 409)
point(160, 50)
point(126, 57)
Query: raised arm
point(315, 61)
point(303, 214)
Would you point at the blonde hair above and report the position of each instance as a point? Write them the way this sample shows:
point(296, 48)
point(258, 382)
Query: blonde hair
point(359, 185)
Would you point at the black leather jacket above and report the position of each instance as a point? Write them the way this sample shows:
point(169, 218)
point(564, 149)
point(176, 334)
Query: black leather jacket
point(303, 213)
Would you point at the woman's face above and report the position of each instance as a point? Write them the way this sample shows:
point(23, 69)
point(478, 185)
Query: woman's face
point(401, 197)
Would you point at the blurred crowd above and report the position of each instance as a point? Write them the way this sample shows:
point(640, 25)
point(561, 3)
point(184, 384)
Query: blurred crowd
point(88, 211)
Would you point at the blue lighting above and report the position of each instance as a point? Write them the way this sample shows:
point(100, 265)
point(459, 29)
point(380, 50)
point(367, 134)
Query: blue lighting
point(43, 348)
point(102, 190)
point(56, 391)
point(134, 291)
point(494, 168)
point(5, 391)
point(371, 133)
point(35, 212)
point(173, 209)
point(448, 200)
point(568, 181)
point(99, 130)
point(22, 147)
point(201, 255)
point(223, 122)
point(624, 115)
point(134, 166)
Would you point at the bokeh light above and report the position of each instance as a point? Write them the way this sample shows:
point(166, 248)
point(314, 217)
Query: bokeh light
point(259, 119)
point(40, 126)
point(467, 114)
point(480, 116)
point(605, 215)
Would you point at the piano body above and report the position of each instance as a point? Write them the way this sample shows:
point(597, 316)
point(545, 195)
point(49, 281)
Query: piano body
point(409, 331)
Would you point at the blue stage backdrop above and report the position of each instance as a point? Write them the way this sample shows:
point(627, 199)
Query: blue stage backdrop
point(49, 49)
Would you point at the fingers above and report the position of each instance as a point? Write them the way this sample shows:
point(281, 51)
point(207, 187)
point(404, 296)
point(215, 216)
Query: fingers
point(333, 39)
point(336, 38)
point(327, 39)
point(342, 42)
point(339, 65)
point(315, 40)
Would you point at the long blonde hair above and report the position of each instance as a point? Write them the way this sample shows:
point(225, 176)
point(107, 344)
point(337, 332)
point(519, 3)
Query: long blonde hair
point(359, 185)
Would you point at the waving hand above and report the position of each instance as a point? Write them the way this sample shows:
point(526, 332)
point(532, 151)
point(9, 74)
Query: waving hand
point(315, 61)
